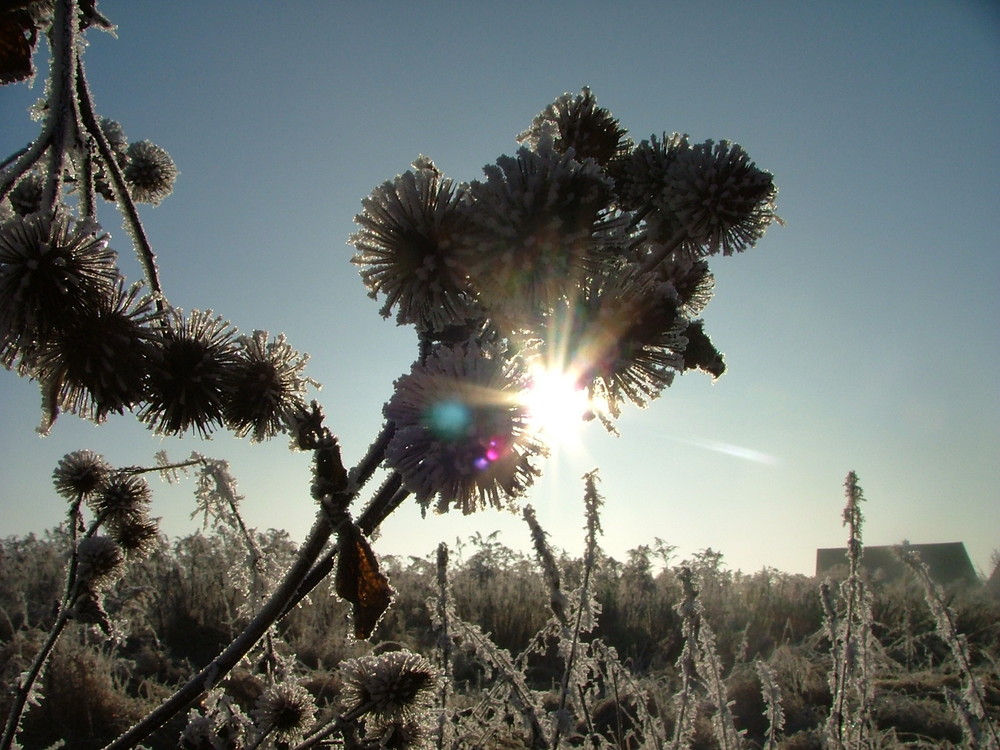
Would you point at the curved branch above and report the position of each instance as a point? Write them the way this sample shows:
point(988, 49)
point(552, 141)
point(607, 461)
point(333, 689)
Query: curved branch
point(133, 224)
point(25, 159)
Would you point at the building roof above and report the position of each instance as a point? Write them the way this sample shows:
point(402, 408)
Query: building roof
point(948, 562)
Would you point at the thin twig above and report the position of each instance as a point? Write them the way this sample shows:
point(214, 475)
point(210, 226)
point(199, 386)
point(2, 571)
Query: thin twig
point(133, 224)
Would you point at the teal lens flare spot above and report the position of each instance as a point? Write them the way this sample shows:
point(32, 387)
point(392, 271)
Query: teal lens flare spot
point(448, 419)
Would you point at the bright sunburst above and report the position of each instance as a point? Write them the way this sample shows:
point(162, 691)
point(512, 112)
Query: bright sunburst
point(556, 404)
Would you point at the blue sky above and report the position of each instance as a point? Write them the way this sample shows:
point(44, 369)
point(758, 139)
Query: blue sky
point(861, 336)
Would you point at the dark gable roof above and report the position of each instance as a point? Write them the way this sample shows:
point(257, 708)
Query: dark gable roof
point(948, 562)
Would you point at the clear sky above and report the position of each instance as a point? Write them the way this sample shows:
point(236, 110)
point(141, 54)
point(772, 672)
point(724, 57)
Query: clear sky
point(861, 336)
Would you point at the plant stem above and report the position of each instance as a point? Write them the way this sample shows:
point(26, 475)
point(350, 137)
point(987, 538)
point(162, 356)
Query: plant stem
point(28, 681)
point(291, 589)
point(133, 225)
point(62, 105)
point(210, 676)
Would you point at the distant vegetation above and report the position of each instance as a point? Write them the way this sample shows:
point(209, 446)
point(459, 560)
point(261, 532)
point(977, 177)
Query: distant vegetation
point(644, 655)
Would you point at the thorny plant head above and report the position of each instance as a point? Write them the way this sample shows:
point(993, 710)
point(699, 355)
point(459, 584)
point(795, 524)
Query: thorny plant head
point(80, 474)
point(285, 710)
point(583, 253)
point(393, 686)
point(461, 433)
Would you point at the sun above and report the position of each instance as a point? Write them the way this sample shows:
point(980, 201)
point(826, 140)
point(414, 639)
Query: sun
point(556, 404)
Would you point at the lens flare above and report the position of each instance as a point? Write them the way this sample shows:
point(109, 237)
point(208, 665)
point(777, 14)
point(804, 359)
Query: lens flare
point(449, 419)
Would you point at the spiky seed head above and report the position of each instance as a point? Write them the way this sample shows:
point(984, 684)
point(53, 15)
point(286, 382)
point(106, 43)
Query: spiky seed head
point(285, 710)
point(99, 561)
point(80, 474)
point(397, 685)
point(123, 500)
point(149, 172)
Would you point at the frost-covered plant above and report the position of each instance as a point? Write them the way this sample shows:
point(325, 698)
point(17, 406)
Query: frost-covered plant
point(117, 499)
point(969, 706)
point(852, 641)
point(771, 692)
point(701, 674)
point(581, 251)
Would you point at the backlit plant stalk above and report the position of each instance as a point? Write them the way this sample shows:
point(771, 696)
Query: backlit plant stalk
point(849, 724)
point(592, 503)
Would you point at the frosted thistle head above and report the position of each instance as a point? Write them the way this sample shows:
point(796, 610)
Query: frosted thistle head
point(641, 174)
point(149, 172)
point(80, 474)
point(100, 561)
point(397, 685)
point(192, 375)
point(285, 711)
point(268, 386)
point(539, 218)
point(576, 122)
point(691, 280)
point(461, 431)
point(97, 363)
point(410, 230)
point(719, 198)
point(52, 270)
point(138, 536)
point(622, 336)
point(123, 500)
